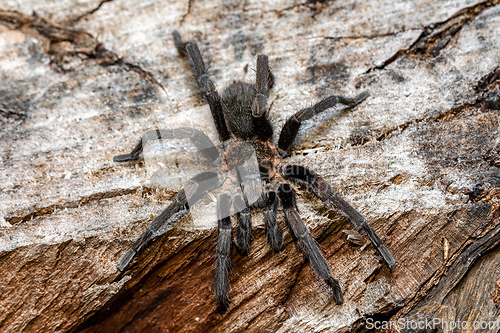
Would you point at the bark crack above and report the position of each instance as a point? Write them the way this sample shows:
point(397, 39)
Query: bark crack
point(88, 13)
point(281, 11)
point(295, 281)
point(436, 36)
point(22, 216)
point(188, 12)
point(67, 44)
point(453, 270)
point(487, 100)
point(448, 115)
point(374, 36)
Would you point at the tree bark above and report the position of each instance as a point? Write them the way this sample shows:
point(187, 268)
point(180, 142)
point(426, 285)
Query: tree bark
point(419, 159)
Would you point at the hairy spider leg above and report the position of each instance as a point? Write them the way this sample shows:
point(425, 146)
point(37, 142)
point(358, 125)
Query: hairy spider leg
point(274, 233)
point(206, 85)
point(292, 125)
point(241, 207)
point(179, 44)
point(249, 180)
point(307, 244)
point(244, 228)
point(223, 259)
point(196, 189)
point(205, 146)
point(264, 81)
point(320, 188)
point(259, 107)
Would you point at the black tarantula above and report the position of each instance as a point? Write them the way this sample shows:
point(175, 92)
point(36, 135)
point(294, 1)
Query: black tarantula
point(241, 120)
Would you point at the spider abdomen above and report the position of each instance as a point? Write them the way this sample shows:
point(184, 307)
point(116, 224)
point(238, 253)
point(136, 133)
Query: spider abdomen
point(238, 98)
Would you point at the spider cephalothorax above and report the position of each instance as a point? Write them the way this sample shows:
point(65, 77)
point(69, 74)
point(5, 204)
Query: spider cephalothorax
point(255, 174)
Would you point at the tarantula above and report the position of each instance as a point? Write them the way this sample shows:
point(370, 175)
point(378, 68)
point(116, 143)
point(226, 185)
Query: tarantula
point(242, 123)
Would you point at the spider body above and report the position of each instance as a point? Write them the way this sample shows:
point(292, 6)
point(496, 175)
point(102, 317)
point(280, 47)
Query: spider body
point(252, 173)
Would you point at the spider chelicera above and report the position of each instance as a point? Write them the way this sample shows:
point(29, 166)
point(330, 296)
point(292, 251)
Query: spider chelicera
point(243, 127)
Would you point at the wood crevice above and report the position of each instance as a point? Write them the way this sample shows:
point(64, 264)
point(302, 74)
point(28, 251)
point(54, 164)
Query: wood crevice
point(23, 216)
point(454, 269)
point(66, 43)
point(436, 36)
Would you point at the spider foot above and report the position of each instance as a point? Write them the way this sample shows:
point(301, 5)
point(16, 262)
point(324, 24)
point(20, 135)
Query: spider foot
point(274, 236)
point(337, 290)
point(222, 281)
point(126, 259)
point(223, 305)
point(244, 230)
point(244, 240)
point(124, 158)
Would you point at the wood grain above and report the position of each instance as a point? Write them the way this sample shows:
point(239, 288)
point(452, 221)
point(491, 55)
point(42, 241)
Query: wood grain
point(80, 83)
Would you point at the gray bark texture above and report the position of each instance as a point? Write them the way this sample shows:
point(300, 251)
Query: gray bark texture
point(82, 81)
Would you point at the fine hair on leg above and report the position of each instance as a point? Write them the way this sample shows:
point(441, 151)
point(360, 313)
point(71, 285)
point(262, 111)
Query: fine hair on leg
point(292, 125)
point(319, 187)
point(274, 233)
point(307, 244)
point(196, 190)
point(244, 228)
point(199, 139)
point(223, 259)
point(208, 90)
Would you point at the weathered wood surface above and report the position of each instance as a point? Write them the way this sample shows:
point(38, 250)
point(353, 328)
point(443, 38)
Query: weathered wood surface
point(420, 158)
